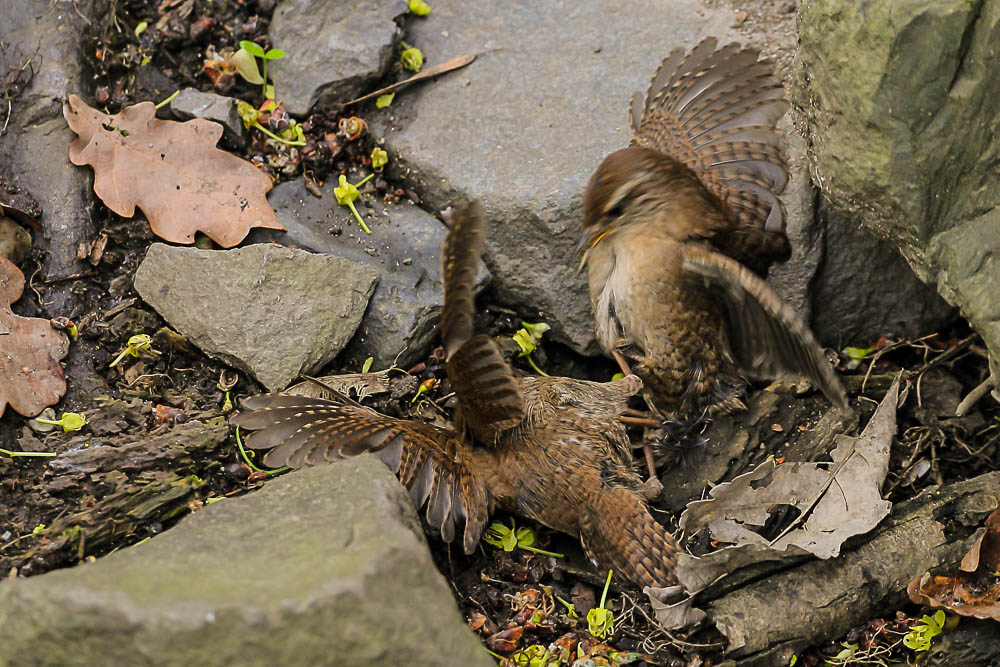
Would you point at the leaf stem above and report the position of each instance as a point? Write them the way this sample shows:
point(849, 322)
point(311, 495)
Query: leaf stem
point(607, 584)
point(532, 363)
point(541, 551)
point(16, 454)
point(168, 100)
point(243, 452)
point(268, 133)
point(361, 222)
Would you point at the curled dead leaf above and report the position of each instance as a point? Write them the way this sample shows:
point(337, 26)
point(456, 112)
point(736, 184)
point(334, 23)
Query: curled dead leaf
point(172, 171)
point(975, 590)
point(30, 349)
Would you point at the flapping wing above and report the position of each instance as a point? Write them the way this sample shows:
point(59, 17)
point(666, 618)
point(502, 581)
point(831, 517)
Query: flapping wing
point(430, 462)
point(488, 396)
point(715, 110)
point(769, 340)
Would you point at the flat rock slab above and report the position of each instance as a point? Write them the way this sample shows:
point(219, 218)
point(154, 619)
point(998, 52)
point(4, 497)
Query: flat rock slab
point(404, 247)
point(334, 49)
point(524, 126)
point(322, 566)
point(273, 312)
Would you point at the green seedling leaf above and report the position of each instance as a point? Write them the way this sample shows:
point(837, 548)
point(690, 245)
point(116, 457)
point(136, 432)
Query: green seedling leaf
point(70, 421)
point(527, 338)
point(920, 636)
point(38, 529)
point(419, 8)
point(247, 112)
point(253, 48)
point(508, 539)
point(367, 366)
point(617, 376)
point(380, 158)
point(855, 355)
point(246, 65)
point(382, 101)
point(136, 344)
point(525, 342)
point(140, 28)
point(600, 620)
point(570, 607)
point(268, 91)
point(536, 330)
point(413, 58)
point(273, 54)
point(346, 194)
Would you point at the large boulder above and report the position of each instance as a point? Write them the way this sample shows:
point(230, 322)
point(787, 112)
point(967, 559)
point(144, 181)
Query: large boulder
point(900, 99)
point(323, 566)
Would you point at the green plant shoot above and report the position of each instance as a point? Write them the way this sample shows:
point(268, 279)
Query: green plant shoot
point(419, 8)
point(380, 158)
point(601, 620)
point(136, 344)
point(382, 101)
point(246, 63)
point(920, 635)
point(413, 58)
point(855, 355)
point(527, 338)
point(508, 539)
point(70, 421)
point(347, 193)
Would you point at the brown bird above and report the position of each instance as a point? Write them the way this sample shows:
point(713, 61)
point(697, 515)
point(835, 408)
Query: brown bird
point(678, 228)
point(551, 449)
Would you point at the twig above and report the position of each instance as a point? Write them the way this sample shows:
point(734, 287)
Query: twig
point(446, 66)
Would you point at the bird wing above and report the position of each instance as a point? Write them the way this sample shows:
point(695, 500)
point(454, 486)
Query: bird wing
point(769, 339)
point(489, 399)
point(715, 111)
point(431, 463)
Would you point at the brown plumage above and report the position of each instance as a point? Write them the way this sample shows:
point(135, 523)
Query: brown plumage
point(551, 449)
point(679, 227)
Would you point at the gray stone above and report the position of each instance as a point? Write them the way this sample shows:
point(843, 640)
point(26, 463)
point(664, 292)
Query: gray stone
point(191, 103)
point(901, 104)
point(524, 126)
point(866, 288)
point(15, 241)
point(274, 312)
point(401, 322)
point(326, 565)
point(334, 49)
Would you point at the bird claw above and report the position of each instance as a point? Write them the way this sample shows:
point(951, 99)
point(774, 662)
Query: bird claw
point(651, 489)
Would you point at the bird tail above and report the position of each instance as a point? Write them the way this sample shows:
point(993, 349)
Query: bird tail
point(430, 462)
point(715, 110)
point(489, 399)
point(620, 533)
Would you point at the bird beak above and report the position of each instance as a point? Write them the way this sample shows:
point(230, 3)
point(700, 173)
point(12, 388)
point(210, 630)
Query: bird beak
point(588, 241)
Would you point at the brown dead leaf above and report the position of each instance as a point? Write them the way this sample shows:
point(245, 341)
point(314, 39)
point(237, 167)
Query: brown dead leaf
point(172, 171)
point(975, 590)
point(30, 349)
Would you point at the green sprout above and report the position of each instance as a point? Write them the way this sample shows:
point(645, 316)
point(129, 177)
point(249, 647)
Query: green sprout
point(70, 421)
point(508, 539)
point(855, 355)
point(382, 101)
point(845, 654)
point(419, 8)
point(38, 530)
point(380, 158)
point(250, 114)
point(535, 655)
point(367, 366)
point(425, 386)
point(920, 635)
point(168, 100)
point(224, 385)
point(136, 344)
point(413, 58)
point(570, 607)
point(247, 456)
point(617, 376)
point(246, 62)
point(601, 620)
point(140, 28)
point(347, 193)
point(527, 338)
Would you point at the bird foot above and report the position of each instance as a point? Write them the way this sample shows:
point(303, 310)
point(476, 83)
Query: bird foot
point(651, 489)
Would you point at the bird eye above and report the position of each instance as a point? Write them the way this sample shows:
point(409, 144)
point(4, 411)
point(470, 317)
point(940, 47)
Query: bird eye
point(615, 211)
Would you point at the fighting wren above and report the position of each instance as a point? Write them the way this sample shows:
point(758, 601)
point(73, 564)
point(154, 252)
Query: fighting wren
point(679, 228)
point(547, 448)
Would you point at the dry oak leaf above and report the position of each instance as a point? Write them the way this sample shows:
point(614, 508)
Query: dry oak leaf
point(975, 590)
point(30, 349)
point(172, 171)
